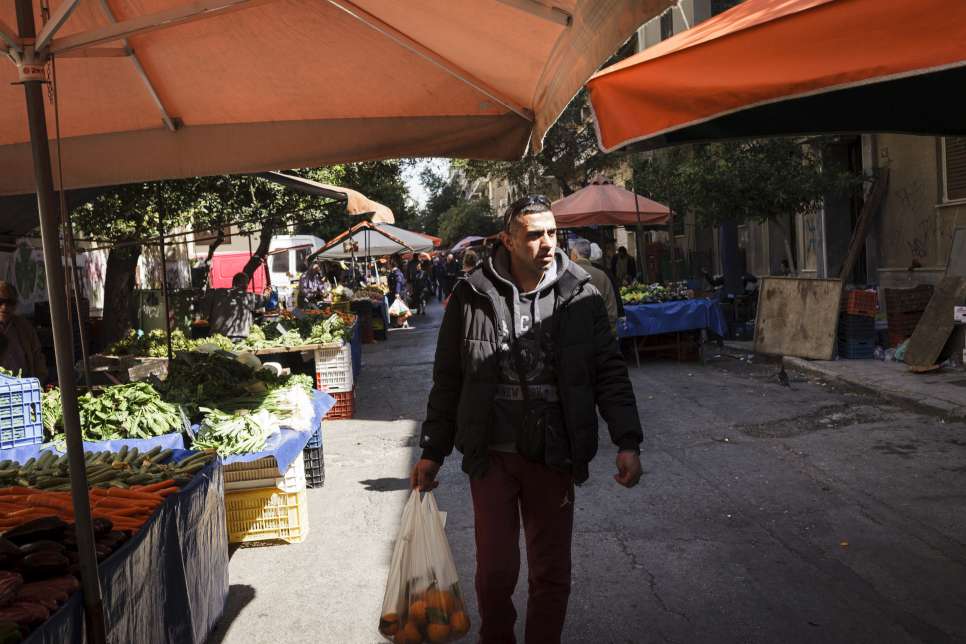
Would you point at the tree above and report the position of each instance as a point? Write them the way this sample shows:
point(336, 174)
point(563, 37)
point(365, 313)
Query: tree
point(443, 194)
point(739, 181)
point(467, 218)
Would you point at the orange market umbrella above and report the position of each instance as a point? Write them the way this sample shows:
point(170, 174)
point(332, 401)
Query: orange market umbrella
point(603, 204)
point(158, 89)
point(769, 67)
point(356, 203)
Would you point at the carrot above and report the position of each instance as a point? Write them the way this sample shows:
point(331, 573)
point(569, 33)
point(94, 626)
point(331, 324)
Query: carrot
point(155, 487)
point(121, 493)
point(51, 501)
point(16, 490)
point(169, 491)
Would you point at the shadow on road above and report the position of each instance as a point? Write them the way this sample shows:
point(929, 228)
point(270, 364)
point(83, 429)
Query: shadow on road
point(386, 484)
point(239, 596)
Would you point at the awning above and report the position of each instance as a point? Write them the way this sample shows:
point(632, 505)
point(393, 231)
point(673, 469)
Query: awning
point(374, 240)
point(603, 204)
point(161, 89)
point(792, 67)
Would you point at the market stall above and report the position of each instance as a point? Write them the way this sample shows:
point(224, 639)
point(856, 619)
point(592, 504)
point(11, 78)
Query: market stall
point(659, 319)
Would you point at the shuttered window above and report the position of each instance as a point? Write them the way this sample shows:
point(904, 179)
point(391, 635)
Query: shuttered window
point(954, 163)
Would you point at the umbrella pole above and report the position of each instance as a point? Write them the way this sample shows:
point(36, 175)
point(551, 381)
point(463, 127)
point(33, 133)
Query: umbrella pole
point(164, 273)
point(43, 177)
point(641, 263)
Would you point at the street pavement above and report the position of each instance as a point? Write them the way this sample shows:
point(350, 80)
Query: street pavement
point(808, 513)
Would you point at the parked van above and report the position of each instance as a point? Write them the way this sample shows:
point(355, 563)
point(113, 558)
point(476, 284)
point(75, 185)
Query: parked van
point(286, 262)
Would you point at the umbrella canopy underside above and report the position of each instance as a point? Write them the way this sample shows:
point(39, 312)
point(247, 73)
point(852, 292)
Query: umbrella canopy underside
point(268, 84)
point(794, 67)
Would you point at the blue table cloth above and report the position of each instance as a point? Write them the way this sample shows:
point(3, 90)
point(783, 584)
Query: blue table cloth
point(167, 584)
point(669, 317)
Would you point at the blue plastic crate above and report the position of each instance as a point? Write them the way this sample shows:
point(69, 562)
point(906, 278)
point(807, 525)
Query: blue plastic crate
point(21, 422)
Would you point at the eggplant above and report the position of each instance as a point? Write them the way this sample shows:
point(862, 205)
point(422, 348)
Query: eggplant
point(39, 546)
point(46, 528)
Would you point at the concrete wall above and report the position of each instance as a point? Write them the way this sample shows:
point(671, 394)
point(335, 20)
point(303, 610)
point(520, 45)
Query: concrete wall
point(913, 230)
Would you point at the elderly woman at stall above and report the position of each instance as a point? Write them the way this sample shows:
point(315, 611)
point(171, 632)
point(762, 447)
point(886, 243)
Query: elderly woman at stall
point(19, 345)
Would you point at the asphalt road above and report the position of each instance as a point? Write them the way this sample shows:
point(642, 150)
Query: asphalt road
point(767, 514)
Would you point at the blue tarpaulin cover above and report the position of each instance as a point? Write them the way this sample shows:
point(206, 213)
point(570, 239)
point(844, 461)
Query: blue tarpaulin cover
point(288, 444)
point(668, 317)
point(167, 584)
point(166, 441)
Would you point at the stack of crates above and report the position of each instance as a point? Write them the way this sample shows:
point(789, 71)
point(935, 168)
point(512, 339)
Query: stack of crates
point(314, 461)
point(904, 308)
point(333, 374)
point(856, 331)
point(21, 422)
point(262, 505)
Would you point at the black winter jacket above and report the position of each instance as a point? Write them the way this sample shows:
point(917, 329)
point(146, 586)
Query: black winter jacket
point(590, 370)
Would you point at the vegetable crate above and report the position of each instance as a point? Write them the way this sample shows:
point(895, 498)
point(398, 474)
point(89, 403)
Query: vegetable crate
point(860, 303)
point(314, 466)
point(333, 369)
point(263, 473)
point(267, 515)
point(20, 417)
point(344, 407)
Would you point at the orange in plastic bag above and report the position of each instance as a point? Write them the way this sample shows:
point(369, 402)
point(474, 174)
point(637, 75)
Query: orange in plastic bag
point(423, 601)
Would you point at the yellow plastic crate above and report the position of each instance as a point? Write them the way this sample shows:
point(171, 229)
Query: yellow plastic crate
point(263, 473)
point(267, 515)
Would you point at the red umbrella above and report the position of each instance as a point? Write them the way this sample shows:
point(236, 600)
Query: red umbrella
point(604, 204)
point(792, 67)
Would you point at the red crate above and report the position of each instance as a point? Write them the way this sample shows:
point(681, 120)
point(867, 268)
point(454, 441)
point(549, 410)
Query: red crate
point(860, 303)
point(344, 407)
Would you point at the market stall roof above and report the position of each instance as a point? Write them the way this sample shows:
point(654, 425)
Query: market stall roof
point(356, 202)
point(792, 67)
point(155, 89)
point(437, 242)
point(375, 240)
point(466, 242)
point(603, 204)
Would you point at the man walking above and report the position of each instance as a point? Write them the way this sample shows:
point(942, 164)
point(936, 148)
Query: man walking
point(624, 267)
point(581, 254)
point(525, 354)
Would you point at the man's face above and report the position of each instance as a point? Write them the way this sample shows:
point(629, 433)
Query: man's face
point(7, 308)
point(531, 241)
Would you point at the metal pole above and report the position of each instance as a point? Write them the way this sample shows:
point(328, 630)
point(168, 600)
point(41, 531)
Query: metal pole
point(43, 177)
point(641, 260)
point(164, 271)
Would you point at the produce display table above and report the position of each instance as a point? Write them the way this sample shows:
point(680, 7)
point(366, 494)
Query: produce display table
point(286, 446)
point(168, 583)
point(672, 317)
point(298, 349)
point(166, 441)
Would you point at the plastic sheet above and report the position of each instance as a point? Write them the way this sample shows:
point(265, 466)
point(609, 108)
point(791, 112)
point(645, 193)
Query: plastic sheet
point(669, 317)
point(167, 584)
point(288, 444)
point(165, 441)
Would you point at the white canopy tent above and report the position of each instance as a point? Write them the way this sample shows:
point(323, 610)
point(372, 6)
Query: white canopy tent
point(374, 240)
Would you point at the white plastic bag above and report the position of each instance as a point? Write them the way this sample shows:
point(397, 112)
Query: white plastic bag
point(423, 601)
point(399, 309)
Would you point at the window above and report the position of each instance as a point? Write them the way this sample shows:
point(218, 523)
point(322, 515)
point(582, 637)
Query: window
point(720, 6)
point(954, 168)
point(300, 256)
point(280, 262)
point(667, 24)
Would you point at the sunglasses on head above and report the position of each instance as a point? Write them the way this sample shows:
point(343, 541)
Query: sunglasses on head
point(520, 205)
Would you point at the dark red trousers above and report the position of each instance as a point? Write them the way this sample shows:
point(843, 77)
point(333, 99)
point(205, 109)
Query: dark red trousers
point(514, 488)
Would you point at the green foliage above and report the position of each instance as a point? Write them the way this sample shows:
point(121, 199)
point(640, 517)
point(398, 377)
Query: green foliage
point(467, 218)
point(443, 194)
point(748, 180)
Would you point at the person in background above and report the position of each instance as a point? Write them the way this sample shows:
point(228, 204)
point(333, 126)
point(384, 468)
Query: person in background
point(452, 272)
point(20, 350)
point(624, 267)
point(470, 261)
point(439, 276)
point(599, 261)
point(421, 285)
point(231, 311)
point(311, 285)
point(580, 254)
point(397, 281)
point(269, 299)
